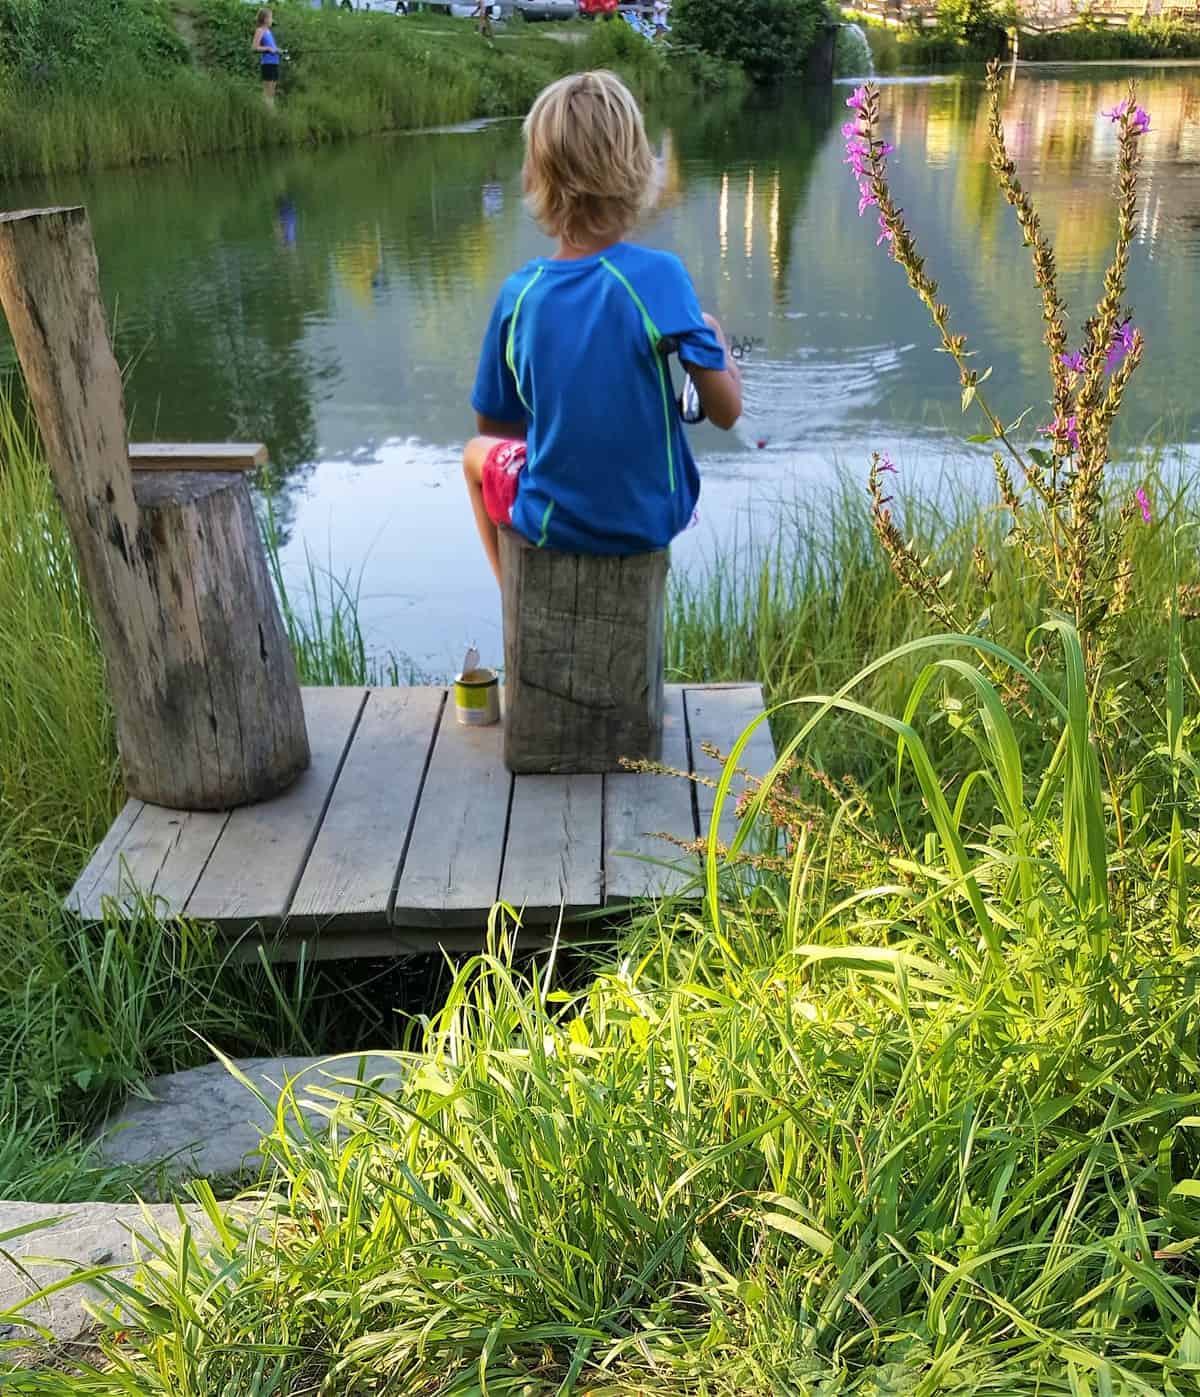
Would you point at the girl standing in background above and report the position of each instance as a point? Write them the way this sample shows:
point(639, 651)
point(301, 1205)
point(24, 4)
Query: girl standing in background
point(265, 46)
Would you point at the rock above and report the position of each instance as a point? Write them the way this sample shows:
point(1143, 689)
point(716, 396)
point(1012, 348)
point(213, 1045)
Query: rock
point(205, 1121)
point(74, 1233)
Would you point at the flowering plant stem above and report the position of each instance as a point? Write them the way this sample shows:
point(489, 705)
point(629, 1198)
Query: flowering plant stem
point(1053, 497)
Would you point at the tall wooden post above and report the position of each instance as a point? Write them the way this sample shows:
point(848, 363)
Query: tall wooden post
point(201, 675)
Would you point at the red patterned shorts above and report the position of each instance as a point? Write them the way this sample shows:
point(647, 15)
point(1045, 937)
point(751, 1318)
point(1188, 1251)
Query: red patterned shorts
point(501, 470)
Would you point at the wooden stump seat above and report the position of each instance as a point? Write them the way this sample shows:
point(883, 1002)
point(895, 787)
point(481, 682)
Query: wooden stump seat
point(583, 658)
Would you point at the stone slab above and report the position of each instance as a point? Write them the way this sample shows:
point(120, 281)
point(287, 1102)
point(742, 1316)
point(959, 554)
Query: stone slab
point(78, 1236)
point(206, 1122)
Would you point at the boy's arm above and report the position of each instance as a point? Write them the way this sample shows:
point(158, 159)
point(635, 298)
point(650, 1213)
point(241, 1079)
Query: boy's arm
point(510, 431)
point(496, 399)
point(720, 390)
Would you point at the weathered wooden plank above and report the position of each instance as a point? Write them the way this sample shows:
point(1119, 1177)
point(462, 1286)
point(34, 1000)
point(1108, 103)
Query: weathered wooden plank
point(162, 856)
point(717, 716)
point(197, 455)
point(552, 857)
point(452, 869)
point(352, 870)
point(640, 805)
point(80, 899)
point(263, 849)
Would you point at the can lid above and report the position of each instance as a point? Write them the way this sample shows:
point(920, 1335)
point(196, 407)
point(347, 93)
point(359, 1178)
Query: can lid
point(477, 678)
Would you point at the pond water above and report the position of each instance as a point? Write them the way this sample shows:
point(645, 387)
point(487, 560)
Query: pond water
point(330, 302)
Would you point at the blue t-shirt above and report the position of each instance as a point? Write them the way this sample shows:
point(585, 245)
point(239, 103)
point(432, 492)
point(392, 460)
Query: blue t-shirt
point(572, 351)
point(269, 54)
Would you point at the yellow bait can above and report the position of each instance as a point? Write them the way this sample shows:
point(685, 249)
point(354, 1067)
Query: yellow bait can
point(477, 697)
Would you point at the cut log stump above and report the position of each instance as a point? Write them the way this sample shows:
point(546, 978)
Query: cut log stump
point(239, 736)
point(202, 680)
point(583, 658)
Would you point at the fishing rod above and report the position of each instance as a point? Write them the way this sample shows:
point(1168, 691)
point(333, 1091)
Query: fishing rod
point(691, 410)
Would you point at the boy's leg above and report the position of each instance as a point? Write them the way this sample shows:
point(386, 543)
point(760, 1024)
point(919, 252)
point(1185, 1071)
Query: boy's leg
point(474, 456)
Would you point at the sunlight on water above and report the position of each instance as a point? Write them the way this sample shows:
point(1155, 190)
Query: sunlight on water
point(331, 302)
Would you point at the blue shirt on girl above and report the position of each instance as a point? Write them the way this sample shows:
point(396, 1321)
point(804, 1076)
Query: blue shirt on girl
point(572, 350)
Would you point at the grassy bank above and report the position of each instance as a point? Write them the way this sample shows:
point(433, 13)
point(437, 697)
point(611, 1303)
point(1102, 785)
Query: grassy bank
point(348, 74)
point(908, 1105)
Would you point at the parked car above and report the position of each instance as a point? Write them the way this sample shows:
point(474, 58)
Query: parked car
point(546, 9)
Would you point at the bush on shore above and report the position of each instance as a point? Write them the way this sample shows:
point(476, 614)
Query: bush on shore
point(770, 39)
point(974, 33)
point(1161, 37)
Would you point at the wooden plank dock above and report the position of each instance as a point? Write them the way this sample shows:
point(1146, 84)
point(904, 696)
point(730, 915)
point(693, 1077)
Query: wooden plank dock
point(407, 828)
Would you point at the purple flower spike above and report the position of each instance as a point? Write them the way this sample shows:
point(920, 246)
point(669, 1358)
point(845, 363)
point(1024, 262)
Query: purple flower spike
point(1063, 430)
point(1072, 361)
point(1141, 118)
point(1120, 347)
point(885, 233)
point(1140, 496)
point(885, 464)
point(858, 99)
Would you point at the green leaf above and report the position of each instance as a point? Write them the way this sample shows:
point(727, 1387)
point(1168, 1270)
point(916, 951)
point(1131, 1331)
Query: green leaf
point(810, 1236)
point(980, 437)
point(1187, 1188)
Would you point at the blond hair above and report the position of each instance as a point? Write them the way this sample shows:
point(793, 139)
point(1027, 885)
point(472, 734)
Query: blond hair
point(588, 166)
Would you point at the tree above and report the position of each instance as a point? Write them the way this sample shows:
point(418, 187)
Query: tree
point(769, 38)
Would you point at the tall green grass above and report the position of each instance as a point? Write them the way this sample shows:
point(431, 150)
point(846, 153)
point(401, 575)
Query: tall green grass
point(903, 1116)
point(349, 74)
point(805, 607)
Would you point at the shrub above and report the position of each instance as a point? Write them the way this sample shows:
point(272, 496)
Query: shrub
point(81, 42)
point(1153, 38)
point(769, 38)
point(974, 24)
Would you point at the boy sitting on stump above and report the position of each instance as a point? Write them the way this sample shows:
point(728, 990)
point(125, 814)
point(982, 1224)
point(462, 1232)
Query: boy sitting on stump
point(581, 446)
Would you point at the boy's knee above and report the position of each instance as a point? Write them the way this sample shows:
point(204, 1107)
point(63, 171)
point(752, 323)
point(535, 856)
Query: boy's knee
point(474, 454)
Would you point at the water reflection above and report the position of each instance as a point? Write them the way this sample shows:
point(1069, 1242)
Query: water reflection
point(330, 303)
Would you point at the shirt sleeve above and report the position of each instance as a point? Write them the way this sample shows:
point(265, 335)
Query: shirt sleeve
point(495, 393)
point(683, 321)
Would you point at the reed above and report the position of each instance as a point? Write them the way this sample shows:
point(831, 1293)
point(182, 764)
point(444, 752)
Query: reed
point(906, 1103)
point(803, 608)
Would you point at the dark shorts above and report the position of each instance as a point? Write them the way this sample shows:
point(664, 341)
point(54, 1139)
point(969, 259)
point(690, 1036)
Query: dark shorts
point(270, 72)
